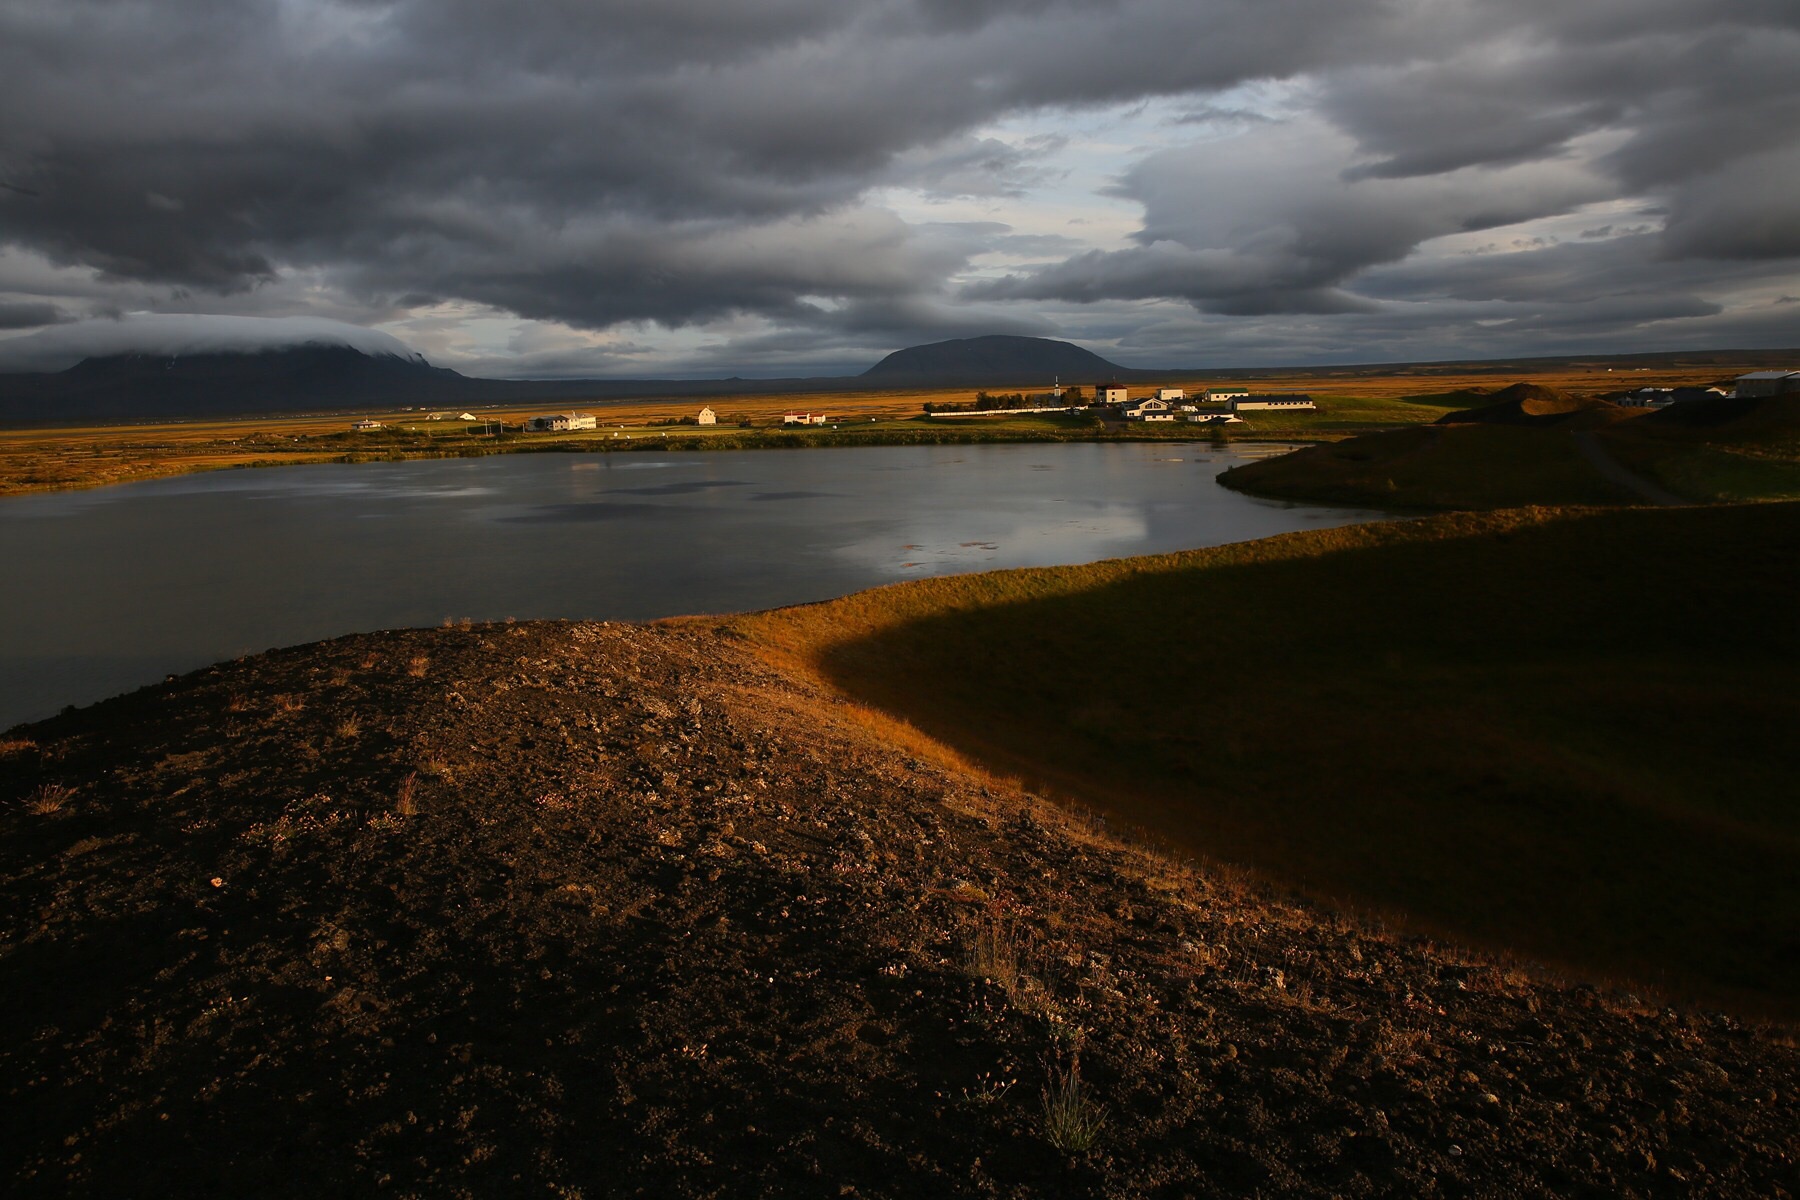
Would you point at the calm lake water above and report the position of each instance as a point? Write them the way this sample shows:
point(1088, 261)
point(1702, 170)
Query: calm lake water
point(110, 589)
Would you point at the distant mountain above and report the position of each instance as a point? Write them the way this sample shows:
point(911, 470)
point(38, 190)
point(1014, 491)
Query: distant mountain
point(998, 358)
point(138, 386)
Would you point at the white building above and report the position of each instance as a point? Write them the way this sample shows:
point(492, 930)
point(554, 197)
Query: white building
point(1170, 394)
point(562, 423)
point(708, 417)
point(1768, 383)
point(1249, 403)
point(366, 426)
point(1112, 393)
point(1222, 395)
point(803, 418)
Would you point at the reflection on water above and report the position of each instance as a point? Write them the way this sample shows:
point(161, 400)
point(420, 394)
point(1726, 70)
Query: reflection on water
point(113, 588)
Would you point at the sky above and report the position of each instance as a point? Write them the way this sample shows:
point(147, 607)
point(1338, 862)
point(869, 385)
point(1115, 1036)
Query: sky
point(654, 188)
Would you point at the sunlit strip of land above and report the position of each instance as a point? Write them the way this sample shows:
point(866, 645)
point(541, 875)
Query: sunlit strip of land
point(47, 459)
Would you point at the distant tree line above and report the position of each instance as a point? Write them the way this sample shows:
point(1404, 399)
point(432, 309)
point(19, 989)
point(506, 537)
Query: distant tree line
point(1002, 401)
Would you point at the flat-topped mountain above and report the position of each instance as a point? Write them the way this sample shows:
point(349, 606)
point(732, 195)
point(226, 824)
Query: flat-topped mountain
point(999, 358)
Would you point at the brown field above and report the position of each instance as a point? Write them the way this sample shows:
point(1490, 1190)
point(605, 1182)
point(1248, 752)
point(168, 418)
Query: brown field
point(1356, 400)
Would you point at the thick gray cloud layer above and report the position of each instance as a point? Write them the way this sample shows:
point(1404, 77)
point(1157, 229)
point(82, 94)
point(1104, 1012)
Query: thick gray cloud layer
point(599, 163)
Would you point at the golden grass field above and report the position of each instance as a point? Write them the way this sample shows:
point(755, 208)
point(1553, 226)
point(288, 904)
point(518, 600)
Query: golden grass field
point(1352, 401)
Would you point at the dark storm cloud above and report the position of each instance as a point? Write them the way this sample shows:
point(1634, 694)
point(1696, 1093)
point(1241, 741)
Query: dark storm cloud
point(602, 162)
point(29, 314)
point(208, 145)
point(1553, 108)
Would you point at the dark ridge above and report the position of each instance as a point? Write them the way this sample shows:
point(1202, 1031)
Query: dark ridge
point(999, 358)
point(138, 386)
point(1719, 412)
point(1534, 404)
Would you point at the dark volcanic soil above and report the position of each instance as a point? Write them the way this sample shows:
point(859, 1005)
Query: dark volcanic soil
point(589, 910)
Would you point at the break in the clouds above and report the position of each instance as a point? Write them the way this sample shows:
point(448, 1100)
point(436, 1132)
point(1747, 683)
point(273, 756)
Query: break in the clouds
point(637, 187)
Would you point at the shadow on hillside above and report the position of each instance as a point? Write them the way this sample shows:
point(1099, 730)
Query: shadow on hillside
point(1571, 739)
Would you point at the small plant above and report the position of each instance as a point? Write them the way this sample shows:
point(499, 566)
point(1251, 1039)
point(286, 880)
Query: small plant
point(12, 746)
point(994, 956)
point(406, 798)
point(48, 799)
point(1072, 1120)
point(418, 666)
point(990, 1088)
point(349, 727)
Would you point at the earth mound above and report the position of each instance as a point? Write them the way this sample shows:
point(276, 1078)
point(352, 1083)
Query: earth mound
point(1535, 404)
point(995, 359)
point(588, 909)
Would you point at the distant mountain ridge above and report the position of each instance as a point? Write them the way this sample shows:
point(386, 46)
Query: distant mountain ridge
point(325, 377)
point(997, 358)
point(226, 383)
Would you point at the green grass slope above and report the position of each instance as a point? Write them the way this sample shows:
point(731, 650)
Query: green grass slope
point(1569, 734)
point(1521, 448)
point(1435, 467)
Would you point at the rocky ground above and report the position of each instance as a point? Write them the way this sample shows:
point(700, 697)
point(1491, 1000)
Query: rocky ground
point(606, 910)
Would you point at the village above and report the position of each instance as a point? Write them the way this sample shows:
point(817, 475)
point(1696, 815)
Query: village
point(1110, 402)
point(1214, 406)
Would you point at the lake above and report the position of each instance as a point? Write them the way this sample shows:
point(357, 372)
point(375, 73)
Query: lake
point(113, 588)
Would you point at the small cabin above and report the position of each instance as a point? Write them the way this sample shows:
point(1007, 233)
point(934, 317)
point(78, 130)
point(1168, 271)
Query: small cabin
point(366, 425)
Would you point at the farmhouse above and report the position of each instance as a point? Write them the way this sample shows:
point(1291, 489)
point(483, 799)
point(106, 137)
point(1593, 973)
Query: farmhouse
point(1223, 395)
point(804, 418)
point(562, 423)
point(1285, 403)
point(1148, 410)
point(1768, 383)
point(366, 426)
point(1170, 394)
point(1111, 393)
point(1662, 397)
point(708, 417)
point(1214, 418)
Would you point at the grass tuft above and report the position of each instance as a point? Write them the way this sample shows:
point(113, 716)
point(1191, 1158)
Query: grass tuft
point(48, 799)
point(1073, 1121)
point(406, 795)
